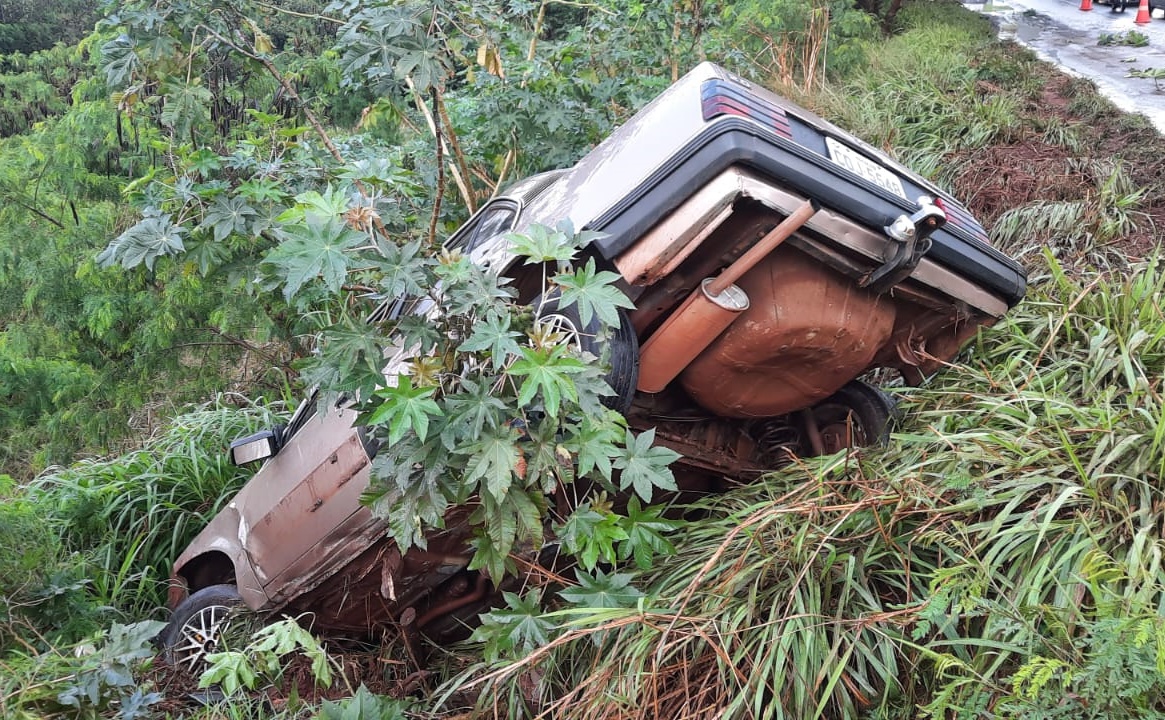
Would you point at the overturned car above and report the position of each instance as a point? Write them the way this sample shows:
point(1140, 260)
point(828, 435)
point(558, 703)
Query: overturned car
point(772, 258)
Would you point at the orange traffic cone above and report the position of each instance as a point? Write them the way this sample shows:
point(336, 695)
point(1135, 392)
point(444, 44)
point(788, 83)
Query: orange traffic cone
point(1144, 15)
point(1085, 5)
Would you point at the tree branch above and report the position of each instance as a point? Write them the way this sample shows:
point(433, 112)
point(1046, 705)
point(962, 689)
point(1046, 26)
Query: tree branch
point(440, 177)
point(36, 212)
point(455, 145)
point(239, 342)
point(466, 195)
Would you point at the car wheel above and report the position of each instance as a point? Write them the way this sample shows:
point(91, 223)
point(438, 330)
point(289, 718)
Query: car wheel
point(196, 626)
point(857, 415)
point(621, 343)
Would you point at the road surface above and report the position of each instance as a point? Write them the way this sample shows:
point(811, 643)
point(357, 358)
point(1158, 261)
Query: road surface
point(1059, 32)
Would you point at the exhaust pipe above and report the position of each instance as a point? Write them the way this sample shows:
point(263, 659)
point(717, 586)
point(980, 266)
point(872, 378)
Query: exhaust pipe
point(708, 311)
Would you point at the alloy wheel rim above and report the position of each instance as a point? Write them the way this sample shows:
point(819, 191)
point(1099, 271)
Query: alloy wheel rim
point(199, 636)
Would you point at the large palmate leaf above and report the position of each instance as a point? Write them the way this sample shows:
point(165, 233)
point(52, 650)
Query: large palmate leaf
point(315, 248)
point(121, 61)
point(187, 105)
point(594, 293)
point(154, 236)
point(645, 465)
point(229, 215)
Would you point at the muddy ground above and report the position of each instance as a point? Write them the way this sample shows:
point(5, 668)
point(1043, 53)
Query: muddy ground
point(1038, 166)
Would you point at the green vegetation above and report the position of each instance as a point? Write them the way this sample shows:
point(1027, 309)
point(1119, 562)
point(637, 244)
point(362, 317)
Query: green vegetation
point(1154, 74)
point(1004, 552)
point(201, 198)
point(1131, 38)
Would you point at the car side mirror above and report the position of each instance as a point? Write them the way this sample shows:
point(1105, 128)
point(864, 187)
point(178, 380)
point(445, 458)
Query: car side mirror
point(258, 446)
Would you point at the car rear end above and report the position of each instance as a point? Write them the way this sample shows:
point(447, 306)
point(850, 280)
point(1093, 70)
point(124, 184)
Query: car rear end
point(881, 269)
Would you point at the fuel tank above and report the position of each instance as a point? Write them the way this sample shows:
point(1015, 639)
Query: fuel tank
point(807, 331)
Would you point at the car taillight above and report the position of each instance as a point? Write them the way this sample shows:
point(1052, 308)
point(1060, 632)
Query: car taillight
point(960, 217)
point(721, 97)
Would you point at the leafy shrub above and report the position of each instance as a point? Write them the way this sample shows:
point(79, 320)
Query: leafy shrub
point(1131, 38)
point(42, 589)
point(132, 515)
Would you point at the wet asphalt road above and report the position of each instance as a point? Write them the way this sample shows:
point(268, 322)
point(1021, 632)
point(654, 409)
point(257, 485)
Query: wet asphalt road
point(1059, 32)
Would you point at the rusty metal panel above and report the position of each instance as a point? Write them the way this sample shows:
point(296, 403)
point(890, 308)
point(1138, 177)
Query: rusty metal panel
point(356, 579)
point(309, 510)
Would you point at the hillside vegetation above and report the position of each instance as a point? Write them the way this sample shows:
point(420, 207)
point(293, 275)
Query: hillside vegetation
point(202, 201)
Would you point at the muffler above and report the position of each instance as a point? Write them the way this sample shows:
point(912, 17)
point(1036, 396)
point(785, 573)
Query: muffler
point(709, 310)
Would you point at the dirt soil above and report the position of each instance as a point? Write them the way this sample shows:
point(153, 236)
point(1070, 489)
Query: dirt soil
point(997, 178)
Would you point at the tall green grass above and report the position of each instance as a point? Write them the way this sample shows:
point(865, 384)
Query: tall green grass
point(131, 516)
point(1004, 552)
point(917, 97)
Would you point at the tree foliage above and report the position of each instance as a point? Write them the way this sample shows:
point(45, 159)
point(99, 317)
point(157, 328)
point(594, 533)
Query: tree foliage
point(489, 405)
point(27, 26)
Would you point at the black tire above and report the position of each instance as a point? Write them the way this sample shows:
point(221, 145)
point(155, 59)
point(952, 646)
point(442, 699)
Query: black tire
point(196, 626)
point(857, 415)
point(620, 344)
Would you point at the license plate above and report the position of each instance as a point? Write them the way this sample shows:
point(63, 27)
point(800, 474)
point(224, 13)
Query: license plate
point(864, 167)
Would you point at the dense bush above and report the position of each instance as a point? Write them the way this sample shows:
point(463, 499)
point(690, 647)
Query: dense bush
point(43, 591)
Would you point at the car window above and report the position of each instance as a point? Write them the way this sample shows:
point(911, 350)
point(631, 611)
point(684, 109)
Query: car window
point(491, 222)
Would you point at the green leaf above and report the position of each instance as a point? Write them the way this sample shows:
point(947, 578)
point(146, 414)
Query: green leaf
point(229, 215)
point(153, 237)
point(494, 335)
point(330, 205)
point(645, 529)
point(594, 293)
point(541, 244)
point(493, 460)
point(383, 172)
point(231, 670)
point(262, 190)
point(411, 487)
point(471, 411)
point(402, 270)
point(490, 555)
point(592, 536)
point(602, 591)
point(405, 408)
point(595, 444)
point(120, 61)
point(204, 162)
point(644, 465)
point(315, 249)
point(514, 630)
point(365, 705)
point(547, 371)
point(500, 524)
point(187, 105)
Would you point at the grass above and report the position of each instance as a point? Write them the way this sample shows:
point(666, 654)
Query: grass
point(1014, 524)
point(116, 525)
